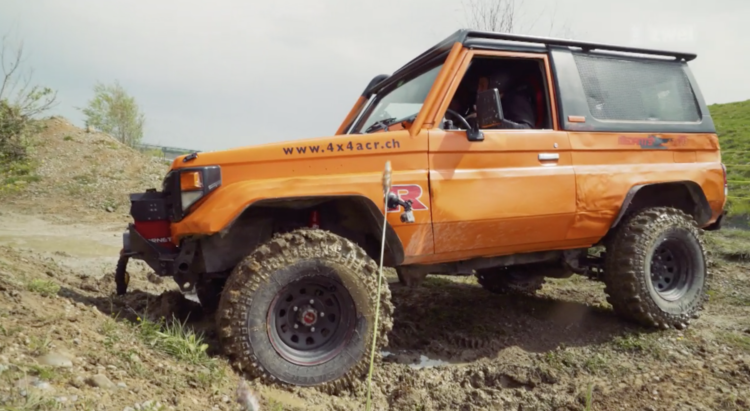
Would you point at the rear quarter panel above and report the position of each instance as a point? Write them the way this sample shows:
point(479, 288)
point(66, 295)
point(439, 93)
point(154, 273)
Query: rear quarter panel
point(611, 157)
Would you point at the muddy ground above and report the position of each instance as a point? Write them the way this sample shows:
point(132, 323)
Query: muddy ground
point(67, 343)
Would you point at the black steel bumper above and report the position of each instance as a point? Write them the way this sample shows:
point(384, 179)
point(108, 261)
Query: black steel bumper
point(134, 245)
point(149, 206)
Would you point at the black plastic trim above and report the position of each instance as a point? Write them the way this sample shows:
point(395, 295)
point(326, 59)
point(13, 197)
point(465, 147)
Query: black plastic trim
point(372, 84)
point(716, 225)
point(466, 35)
point(149, 206)
point(393, 242)
point(703, 210)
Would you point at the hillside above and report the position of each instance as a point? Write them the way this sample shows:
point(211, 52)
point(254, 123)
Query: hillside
point(83, 175)
point(733, 126)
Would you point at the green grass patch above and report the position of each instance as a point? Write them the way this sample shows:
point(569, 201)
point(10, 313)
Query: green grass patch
point(736, 340)
point(732, 122)
point(175, 339)
point(638, 344)
point(730, 244)
point(46, 288)
point(14, 176)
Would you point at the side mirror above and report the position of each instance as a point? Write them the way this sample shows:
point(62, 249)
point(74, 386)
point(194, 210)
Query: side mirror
point(489, 113)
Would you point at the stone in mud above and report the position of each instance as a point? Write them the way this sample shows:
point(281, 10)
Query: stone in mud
point(55, 359)
point(100, 381)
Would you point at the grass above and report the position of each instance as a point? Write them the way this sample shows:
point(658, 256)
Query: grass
point(732, 122)
point(730, 244)
point(46, 288)
point(15, 176)
point(175, 339)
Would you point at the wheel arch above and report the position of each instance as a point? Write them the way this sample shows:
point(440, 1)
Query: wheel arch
point(354, 217)
point(685, 195)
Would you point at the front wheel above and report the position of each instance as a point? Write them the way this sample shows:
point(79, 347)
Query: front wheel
point(656, 269)
point(300, 310)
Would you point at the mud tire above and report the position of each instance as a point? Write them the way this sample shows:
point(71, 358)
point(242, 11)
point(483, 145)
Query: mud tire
point(628, 268)
point(242, 315)
point(509, 281)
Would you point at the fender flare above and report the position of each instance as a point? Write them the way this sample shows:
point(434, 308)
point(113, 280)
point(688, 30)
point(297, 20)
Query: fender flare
point(374, 215)
point(702, 212)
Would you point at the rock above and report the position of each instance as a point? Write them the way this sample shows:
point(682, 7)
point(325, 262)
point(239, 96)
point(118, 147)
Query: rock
point(100, 381)
point(128, 409)
point(122, 385)
point(110, 209)
point(55, 359)
point(77, 382)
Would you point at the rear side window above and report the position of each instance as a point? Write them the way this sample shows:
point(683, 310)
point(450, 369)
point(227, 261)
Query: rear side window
point(628, 90)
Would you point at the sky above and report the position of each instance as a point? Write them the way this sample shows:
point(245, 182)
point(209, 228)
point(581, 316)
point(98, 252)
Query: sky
point(212, 75)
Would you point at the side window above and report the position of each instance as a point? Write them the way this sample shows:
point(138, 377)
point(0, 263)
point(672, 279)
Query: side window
point(522, 86)
point(627, 90)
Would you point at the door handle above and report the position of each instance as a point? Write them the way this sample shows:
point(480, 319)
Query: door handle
point(548, 156)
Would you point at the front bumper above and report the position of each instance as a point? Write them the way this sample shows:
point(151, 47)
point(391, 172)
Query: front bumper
point(160, 259)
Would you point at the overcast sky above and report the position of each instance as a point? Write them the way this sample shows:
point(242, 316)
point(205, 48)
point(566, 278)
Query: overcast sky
point(218, 74)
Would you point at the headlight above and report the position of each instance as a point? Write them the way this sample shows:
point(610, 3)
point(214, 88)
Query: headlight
point(196, 183)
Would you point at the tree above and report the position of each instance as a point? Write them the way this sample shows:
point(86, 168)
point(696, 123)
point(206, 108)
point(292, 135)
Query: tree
point(116, 113)
point(506, 16)
point(20, 101)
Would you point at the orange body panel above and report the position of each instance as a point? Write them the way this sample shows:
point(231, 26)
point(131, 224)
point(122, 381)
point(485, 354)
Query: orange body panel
point(497, 194)
point(268, 171)
point(515, 191)
point(608, 165)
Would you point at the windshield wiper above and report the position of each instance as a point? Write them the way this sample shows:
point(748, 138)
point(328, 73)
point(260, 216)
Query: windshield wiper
point(381, 124)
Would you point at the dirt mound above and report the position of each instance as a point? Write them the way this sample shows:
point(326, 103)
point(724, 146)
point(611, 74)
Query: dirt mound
point(85, 174)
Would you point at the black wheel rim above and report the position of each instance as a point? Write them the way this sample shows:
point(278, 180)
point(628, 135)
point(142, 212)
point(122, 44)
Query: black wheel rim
point(311, 320)
point(672, 269)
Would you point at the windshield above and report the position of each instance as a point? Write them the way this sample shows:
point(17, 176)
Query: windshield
point(403, 101)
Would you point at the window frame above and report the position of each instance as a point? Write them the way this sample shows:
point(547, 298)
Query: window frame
point(550, 92)
point(372, 103)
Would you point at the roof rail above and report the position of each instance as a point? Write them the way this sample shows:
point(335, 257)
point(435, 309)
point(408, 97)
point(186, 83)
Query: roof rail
point(466, 34)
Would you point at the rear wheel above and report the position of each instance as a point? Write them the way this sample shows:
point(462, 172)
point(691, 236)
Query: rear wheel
point(300, 310)
point(656, 269)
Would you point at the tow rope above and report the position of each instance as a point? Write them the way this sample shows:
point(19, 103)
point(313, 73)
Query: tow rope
point(386, 190)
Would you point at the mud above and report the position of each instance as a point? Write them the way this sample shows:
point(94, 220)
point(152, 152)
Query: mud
point(453, 345)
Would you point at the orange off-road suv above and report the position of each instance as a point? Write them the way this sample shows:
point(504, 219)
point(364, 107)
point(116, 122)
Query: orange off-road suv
point(512, 157)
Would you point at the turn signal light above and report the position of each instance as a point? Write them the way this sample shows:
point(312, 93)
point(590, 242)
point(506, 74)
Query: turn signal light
point(191, 180)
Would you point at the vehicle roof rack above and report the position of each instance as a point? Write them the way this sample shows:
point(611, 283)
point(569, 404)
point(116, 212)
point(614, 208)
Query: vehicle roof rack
point(466, 34)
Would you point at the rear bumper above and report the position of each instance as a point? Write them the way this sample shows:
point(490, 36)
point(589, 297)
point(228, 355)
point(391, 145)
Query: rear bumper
point(716, 225)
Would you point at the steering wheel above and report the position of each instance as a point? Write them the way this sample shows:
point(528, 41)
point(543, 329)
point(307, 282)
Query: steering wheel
point(459, 117)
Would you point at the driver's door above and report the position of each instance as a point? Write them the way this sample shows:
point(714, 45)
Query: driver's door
point(514, 191)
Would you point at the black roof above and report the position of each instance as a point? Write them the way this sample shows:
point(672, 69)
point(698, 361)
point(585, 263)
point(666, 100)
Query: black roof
point(506, 41)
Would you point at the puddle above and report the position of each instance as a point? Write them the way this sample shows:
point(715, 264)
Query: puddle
point(415, 360)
